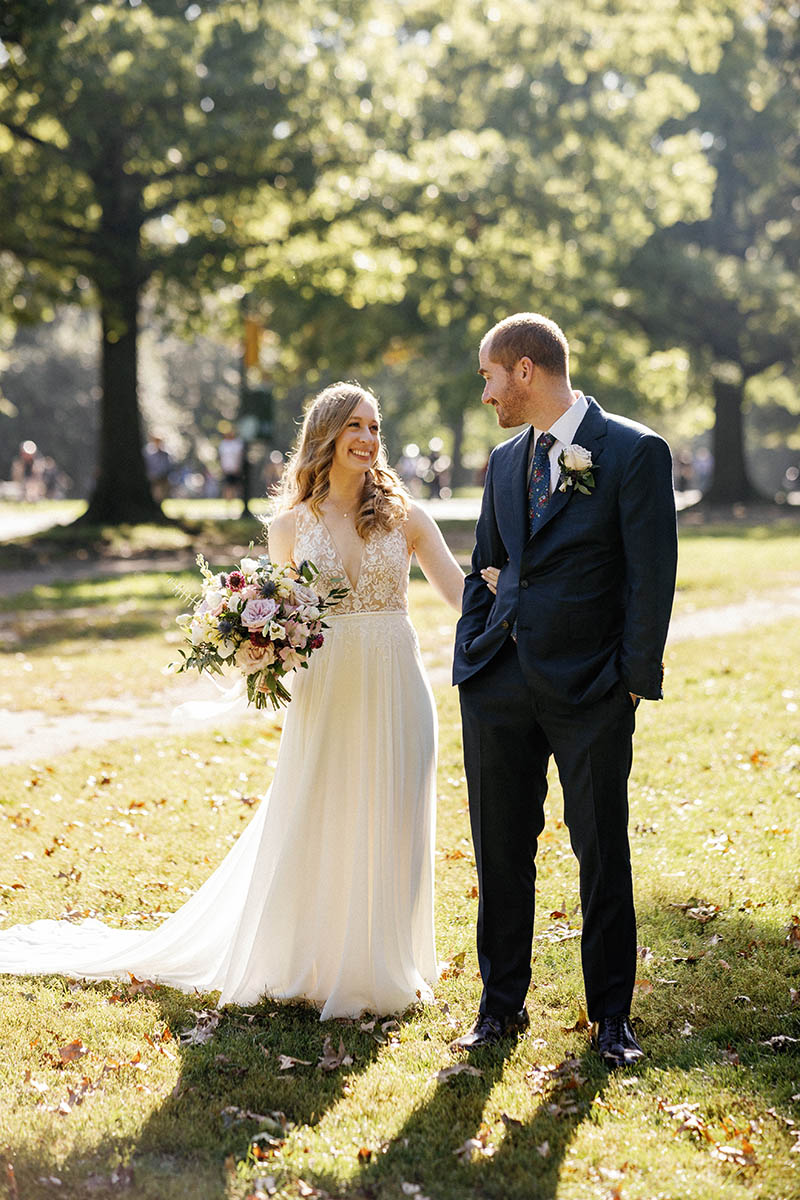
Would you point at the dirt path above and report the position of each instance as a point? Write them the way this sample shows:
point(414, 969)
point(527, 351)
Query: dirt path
point(736, 618)
point(30, 735)
point(14, 582)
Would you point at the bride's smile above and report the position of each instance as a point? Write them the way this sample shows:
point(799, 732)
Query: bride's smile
point(358, 444)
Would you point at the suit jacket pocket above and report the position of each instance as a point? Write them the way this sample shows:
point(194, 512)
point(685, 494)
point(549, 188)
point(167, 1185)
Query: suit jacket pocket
point(487, 643)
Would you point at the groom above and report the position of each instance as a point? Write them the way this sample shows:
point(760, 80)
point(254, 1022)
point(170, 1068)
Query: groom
point(579, 512)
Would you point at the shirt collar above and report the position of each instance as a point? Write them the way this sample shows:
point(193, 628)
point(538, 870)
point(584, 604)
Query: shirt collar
point(565, 428)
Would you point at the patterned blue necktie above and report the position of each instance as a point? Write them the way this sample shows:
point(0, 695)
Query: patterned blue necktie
point(539, 484)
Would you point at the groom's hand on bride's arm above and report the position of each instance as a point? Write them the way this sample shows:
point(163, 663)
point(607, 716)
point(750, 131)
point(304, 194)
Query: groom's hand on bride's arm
point(490, 576)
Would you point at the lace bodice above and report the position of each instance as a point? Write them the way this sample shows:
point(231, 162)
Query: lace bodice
point(382, 584)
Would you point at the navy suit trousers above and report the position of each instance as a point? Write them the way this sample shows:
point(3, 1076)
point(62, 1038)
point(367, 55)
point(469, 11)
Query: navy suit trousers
point(509, 736)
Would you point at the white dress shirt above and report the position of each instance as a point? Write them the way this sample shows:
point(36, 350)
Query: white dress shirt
point(563, 430)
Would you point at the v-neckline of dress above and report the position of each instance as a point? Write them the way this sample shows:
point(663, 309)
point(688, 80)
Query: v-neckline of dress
point(338, 553)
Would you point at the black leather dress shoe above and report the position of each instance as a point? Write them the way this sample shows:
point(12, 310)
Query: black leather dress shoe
point(489, 1029)
point(615, 1041)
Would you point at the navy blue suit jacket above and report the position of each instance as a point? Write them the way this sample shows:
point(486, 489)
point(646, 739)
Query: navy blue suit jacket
point(591, 592)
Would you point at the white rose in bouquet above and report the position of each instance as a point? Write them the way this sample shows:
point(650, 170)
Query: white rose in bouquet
point(212, 602)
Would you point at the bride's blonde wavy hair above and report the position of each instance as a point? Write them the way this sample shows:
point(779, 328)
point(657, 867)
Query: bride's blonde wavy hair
point(306, 479)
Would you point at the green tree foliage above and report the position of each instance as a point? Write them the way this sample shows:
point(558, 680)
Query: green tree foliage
point(725, 286)
point(149, 143)
point(387, 180)
point(508, 157)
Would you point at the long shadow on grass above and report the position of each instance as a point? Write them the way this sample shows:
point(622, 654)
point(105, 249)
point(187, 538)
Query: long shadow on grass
point(191, 1143)
point(720, 1012)
point(720, 1005)
point(441, 1147)
point(212, 1116)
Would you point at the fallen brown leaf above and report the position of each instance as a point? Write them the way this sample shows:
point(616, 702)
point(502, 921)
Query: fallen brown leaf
point(35, 1083)
point(143, 986)
point(580, 1025)
point(330, 1059)
point(286, 1062)
point(476, 1147)
point(452, 969)
point(690, 1120)
point(203, 1031)
point(456, 1069)
point(780, 1041)
point(703, 913)
point(306, 1190)
point(564, 1075)
point(740, 1156)
point(72, 1052)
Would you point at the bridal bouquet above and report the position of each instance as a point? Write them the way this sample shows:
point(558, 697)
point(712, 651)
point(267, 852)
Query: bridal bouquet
point(261, 619)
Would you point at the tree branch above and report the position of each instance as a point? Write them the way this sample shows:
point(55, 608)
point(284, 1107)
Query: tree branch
point(256, 179)
point(25, 135)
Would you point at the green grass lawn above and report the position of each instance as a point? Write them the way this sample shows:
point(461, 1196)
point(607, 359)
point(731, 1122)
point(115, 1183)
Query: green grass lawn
point(126, 831)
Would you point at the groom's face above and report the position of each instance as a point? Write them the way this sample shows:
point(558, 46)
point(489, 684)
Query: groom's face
point(503, 391)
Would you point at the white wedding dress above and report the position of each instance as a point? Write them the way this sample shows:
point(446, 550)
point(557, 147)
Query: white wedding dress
point(328, 893)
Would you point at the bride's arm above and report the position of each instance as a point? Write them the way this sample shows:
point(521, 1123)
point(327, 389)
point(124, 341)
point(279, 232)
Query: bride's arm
point(281, 537)
point(440, 568)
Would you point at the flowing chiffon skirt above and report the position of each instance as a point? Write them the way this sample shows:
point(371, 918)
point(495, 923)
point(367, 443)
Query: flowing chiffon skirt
point(328, 893)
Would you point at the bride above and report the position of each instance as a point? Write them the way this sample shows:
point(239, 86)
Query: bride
point(328, 894)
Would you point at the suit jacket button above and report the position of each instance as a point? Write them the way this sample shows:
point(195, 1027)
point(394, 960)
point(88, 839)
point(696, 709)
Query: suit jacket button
point(523, 583)
point(504, 624)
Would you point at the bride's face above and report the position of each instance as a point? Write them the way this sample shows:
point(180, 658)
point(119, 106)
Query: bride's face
point(356, 448)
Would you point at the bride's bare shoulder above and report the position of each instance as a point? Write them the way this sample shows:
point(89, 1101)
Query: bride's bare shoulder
point(282, 533)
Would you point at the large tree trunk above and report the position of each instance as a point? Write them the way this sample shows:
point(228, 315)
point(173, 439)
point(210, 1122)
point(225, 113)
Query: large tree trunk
point(122, 491)
point(731, 482)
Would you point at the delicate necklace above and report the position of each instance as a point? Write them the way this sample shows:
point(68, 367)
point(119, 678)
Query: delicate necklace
point(340, 512)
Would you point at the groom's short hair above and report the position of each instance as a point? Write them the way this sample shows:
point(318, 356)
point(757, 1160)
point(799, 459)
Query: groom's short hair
point(528, 335)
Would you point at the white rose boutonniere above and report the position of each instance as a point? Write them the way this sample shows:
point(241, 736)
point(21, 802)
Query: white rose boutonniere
point(576, 469)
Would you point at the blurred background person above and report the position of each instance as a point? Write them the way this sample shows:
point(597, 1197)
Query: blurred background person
point(27, 472)
point(231, 461)
point(158, 464)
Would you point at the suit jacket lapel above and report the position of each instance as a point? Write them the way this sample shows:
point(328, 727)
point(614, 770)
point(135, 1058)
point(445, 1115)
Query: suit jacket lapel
point(515, 486)
point(591, 435)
